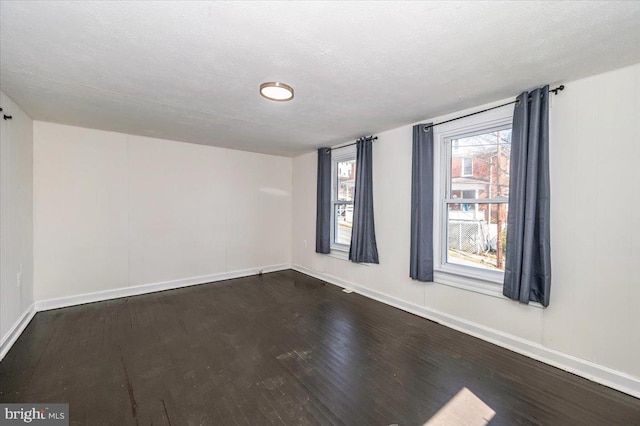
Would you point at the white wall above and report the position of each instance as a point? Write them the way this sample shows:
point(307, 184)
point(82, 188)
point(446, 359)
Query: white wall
point(16, 215)
point(113, 210)
point(595, 212)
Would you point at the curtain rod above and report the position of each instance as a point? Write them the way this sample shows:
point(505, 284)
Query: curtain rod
point(427, 128)
point(364, 138)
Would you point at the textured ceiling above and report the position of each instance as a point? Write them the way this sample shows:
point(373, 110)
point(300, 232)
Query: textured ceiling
point(191, 71)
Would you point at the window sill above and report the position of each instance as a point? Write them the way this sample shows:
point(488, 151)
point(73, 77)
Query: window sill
point(339, 253)
point(343, 254)
point(463, 282)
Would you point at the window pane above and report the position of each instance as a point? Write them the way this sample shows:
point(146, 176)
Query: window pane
point(346, 171)
point(343, 220)
point(480, 164)
point(477, 234)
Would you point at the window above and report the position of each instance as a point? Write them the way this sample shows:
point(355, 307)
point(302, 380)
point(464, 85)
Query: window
point(467, 166)
point(343, 179)
point(472, 196)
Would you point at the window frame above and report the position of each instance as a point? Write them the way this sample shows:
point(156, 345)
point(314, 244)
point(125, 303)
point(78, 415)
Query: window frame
point(339, 155)
point(467, 277)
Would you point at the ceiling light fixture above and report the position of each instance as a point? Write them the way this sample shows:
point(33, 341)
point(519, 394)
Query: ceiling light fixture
point(275, 91)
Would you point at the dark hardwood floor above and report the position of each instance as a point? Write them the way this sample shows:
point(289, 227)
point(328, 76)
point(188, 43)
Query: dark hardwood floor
point(281, 348)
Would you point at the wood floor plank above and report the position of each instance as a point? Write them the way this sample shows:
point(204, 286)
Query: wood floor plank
point(281, 349)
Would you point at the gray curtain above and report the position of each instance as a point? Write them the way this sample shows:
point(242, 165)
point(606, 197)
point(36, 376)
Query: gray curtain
point(528, 260)
point(422, 204)
point(363, 235)
point(323, 203)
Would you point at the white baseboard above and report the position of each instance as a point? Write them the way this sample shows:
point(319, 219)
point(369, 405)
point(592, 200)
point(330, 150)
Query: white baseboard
point(600, 374)
point(98, 296)
point(12, 335)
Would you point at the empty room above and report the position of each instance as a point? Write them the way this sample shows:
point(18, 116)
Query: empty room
point(319, 213)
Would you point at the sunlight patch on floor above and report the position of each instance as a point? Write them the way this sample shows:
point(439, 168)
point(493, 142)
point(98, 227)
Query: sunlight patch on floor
point(463, 409)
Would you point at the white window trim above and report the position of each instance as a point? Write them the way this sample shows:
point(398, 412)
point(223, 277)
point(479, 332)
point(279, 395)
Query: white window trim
point(340, 251)
point(460, 276)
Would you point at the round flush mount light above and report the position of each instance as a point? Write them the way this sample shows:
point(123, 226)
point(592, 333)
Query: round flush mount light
point(275, 91)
